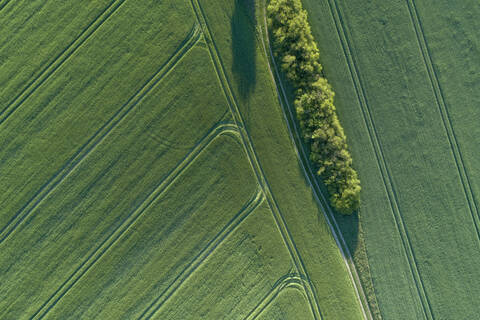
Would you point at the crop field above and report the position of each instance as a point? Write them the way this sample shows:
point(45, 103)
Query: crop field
point(148, 172)
point(406, 75)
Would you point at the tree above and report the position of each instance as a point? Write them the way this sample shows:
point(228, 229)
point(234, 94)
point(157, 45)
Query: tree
point(295, 48)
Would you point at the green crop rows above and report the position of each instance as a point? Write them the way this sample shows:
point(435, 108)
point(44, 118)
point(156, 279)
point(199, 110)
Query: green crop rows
point(147, 171)
point(405, 84)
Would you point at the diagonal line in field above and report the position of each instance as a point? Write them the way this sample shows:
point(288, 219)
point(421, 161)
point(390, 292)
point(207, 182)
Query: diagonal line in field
point(446, 120)
point(253, 159)
point(116, 234)
point(100, 135)
point(59, 60)
point(4, 4)
point(285, 282)
point(310, 176)
point(386, 176)
point(231, 226)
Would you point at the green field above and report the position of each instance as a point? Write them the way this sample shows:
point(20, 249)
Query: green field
point(148, 171)
point(406, 77)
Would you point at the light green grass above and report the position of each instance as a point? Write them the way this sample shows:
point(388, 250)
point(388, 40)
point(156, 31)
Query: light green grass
point(268, 130)
point(166, 239)
point(110, 183)
point(67, 110)
point(129, 190)
point(290, 304)
point(45, 28)
point(417, 213)
point(234, 279)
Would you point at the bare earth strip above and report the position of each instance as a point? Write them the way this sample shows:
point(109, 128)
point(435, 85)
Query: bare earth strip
point(387, 179)
point(100, 135)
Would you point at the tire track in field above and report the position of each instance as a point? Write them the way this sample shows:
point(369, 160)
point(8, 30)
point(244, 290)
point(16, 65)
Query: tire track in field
point(253, 159)
point(230, 227)
point(59, 60)
point(386, 176)
point(100, 135)
point(4, 4)
point(310, 176)
point(130, 220)
point(446, 120)
point(285, 282)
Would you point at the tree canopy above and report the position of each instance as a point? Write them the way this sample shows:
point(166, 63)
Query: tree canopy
point(295, 48)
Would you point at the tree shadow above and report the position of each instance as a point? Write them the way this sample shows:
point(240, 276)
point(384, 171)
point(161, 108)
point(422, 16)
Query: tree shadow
point(349, 224)
point(350, 227)
point(244, 46)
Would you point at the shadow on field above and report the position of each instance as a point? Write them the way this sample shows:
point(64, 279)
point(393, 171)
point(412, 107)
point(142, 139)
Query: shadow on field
point(243, 46)
point(349, 224)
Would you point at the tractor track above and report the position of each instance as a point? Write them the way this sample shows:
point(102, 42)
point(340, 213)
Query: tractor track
point(59, 60)
point(386, 176)
point(285, 282)
point(309, 174)
point(130, 220)
point(443, 110)
point(4, 4)
point(99, 136)
point(253, 159)
point(200, 258)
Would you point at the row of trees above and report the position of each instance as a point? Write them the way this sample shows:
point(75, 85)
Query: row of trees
point(298, 55)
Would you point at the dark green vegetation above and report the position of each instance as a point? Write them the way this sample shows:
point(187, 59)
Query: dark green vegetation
point(406, 75)
point(298, 53)
point(148, 172)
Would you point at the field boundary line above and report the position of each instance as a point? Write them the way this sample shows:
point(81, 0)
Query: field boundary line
point(59, 60)
point(285, 282)
point(3, 5)
point(130, 220)
point(200, 258)
point(310, 176)
point(100, 135)
point(386, 176)
point(443, 110)
point(253, 159)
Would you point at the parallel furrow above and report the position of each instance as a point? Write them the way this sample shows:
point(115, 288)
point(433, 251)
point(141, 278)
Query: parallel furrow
point(311, 177)
point(446, 120)
point(116, 234)
point(59, 60)
point(386, 176)
point(4, 4)
point(203, 255)
point(288, 281)
point(253, 159)
point(100, 135)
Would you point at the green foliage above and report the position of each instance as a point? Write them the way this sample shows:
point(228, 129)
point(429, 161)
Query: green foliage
point(403, 146)
point(299, 56)
point(105, 169)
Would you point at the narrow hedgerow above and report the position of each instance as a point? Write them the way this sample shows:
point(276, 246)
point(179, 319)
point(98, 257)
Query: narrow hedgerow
point(298, 55)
